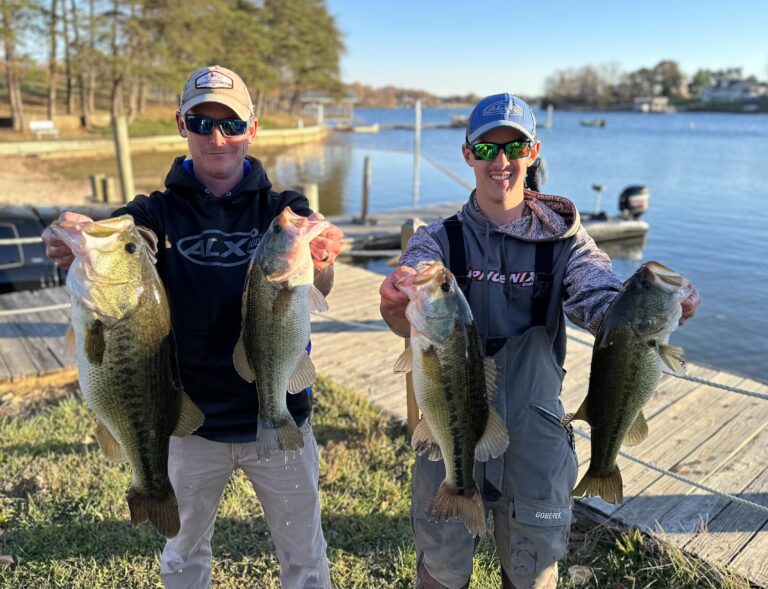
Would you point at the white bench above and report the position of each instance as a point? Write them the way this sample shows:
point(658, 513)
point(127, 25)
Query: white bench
point(41, 128)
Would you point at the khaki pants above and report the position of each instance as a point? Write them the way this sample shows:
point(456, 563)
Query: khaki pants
point(287, 487)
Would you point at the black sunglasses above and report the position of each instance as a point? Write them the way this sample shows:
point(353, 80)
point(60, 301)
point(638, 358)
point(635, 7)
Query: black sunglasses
point(201, 125)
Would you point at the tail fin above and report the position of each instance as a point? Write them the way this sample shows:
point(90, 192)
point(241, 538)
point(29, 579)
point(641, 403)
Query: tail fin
point(273, 436)
point(608, 485)
point(162, 511)
point(451, 502)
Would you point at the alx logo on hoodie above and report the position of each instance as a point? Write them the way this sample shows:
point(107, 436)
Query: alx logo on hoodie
point(217, 248)
point(522, 278)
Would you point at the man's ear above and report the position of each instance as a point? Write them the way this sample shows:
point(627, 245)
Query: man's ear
point(181, 125)
point(252, 128)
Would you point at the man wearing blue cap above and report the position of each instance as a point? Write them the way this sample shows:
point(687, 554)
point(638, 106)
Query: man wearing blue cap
point(523, 261)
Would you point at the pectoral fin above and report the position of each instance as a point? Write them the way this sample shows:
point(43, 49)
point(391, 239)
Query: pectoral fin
point(108, 444)
point(404, 363)
point(317, 302)
point(242, 365)
point(69, 340)
point(190, 417)
point(423, 442)
point(581, 414)
point(94, 344)
point(672, 357)
point(638, 432)
point(495, 438)
point(303, 376)
point(491, 377)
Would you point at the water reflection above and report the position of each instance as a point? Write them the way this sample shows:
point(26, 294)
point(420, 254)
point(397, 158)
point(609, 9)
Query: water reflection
point(625, 249)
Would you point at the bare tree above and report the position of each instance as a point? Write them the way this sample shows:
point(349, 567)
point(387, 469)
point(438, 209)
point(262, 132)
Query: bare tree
point(9, 12)
point(69, 73)
point(52, 77)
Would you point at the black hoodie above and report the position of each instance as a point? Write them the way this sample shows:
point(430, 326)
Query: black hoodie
point(205, 243)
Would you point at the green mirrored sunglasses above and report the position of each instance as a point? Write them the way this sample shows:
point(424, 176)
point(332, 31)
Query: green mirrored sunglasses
point(513, 149)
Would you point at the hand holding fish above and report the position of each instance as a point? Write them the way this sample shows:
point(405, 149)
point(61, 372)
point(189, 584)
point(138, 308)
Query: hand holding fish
point(394, 301)
point(55, 248)
point(689, 305)
point(326, 247)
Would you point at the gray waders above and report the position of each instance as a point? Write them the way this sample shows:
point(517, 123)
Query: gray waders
point(528, 489)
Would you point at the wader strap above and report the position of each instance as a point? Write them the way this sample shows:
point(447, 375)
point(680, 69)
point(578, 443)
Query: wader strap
point(542, 286)
point(457, 256)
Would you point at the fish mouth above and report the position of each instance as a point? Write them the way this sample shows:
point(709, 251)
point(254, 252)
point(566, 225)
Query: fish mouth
point(664, 277)
point(89, 238)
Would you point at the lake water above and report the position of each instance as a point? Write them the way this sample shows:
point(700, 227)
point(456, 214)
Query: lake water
point(708, 179)
point(707, 174)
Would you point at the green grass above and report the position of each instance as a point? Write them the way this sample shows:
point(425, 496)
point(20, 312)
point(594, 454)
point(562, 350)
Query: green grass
point(64, 520)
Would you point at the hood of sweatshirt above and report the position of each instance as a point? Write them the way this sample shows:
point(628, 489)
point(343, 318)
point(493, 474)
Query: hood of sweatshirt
point(546, 217)
point(181, 181)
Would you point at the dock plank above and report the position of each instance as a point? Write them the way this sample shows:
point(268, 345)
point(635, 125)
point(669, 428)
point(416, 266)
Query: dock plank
point(21, 356)
point(715, 450)
point(729, 536)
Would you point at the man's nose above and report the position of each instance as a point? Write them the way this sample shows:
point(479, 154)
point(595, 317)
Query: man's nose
point(217, 137)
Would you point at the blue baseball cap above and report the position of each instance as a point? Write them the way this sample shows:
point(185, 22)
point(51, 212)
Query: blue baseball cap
point(501, 110)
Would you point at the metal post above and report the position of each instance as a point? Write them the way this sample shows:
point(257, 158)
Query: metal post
point(416, 151)
point(407, 230)
point(366, 189)
point(97, 187)
point(123, 151)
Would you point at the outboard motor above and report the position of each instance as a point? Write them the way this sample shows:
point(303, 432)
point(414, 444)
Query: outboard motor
point(633, 201)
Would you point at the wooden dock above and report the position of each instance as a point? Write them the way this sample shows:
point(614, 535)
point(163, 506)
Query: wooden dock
point(712, 436)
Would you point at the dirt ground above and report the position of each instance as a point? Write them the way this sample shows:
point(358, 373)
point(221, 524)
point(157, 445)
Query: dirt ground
point(29, 180)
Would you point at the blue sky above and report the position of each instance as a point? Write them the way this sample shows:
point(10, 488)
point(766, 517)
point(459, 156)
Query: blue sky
point(485, 46)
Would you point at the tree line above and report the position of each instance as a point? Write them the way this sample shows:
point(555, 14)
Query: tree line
point(606, 86)
point(122, 49)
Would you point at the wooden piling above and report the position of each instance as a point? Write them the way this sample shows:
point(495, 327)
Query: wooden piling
point(123, 151)
point(310, 190)
point(407, 230)
point(97, 187)
point(366, 189)
point(109, 190)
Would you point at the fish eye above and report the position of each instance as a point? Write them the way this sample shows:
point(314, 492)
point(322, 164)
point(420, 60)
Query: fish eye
point(276, 228)
point(645, 284)
point(130, 248)
point(445, 286)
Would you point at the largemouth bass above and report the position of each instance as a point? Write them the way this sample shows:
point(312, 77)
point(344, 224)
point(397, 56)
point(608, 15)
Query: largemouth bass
point(126, 358)
point(629, 350)
point(450, 374)
point(272, 349)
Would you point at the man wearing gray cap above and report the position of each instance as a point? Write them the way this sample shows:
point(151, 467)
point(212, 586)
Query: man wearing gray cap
point(523, 261)
point(216, 205)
